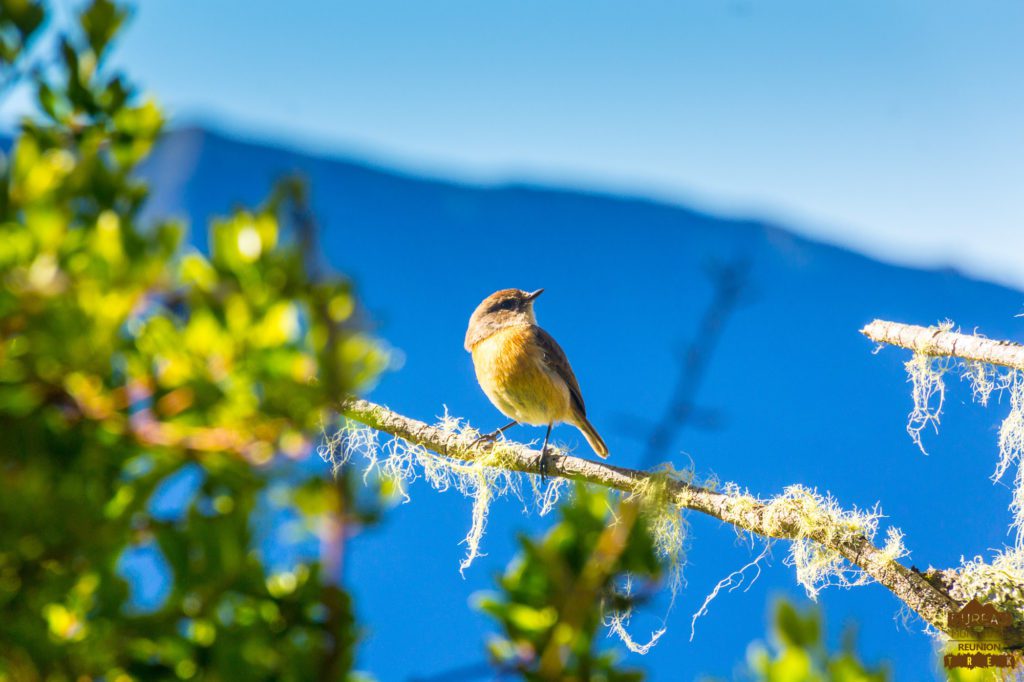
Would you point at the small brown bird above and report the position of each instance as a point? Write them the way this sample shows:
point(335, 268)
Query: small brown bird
point(523, 370)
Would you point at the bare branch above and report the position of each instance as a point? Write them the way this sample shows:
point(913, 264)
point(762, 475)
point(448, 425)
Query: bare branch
point(743, 511)
point(935, 341)
point(730, 282)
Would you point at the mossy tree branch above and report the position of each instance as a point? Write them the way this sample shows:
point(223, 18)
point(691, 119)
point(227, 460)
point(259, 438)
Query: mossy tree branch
point(931, 602)
point(939, 342)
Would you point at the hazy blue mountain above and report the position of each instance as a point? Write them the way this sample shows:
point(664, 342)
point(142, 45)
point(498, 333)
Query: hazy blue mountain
point(802, 396)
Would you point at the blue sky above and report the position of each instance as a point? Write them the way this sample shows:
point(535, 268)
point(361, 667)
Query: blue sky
point(894, 127)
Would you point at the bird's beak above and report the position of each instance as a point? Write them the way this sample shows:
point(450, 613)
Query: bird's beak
point(535, 294)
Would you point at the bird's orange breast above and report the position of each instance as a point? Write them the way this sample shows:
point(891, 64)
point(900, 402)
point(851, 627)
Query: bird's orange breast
point(513, 373)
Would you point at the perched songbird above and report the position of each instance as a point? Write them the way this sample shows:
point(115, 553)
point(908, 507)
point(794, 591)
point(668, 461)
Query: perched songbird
point(523, 370)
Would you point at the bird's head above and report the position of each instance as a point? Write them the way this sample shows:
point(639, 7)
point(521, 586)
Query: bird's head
point(505, 308)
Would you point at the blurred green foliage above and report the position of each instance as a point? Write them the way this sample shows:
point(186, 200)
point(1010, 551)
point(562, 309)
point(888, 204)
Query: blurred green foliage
point(555, 595)
point(799, 653)
point(125, 357)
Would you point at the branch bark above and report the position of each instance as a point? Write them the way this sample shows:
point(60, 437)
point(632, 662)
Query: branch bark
point(930, 602)
point(937, 342)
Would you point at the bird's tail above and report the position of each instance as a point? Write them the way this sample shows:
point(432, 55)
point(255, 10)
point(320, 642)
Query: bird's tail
point(590, 433)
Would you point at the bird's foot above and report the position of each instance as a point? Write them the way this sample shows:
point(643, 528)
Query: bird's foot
point(486, 438)
point(542, 465)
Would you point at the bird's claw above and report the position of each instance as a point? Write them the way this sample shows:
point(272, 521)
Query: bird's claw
point(486, 438)
point(543, 466)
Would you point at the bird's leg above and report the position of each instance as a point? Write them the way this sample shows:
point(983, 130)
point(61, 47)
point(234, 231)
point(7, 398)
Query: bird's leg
point(544, 455)
point(491, 437)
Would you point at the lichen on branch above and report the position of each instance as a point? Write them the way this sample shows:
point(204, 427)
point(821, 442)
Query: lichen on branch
point(833, 546)
point(943, 341)
point(400, 461)
point(989, 365)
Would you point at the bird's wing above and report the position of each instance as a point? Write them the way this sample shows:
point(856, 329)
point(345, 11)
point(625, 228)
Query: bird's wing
point(556, 361)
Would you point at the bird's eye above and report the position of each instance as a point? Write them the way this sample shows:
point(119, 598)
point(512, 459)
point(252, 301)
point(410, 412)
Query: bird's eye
point(504, 304)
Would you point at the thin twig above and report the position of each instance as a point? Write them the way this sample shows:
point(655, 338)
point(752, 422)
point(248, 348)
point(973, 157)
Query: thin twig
point(730, 281)
point(938, 342)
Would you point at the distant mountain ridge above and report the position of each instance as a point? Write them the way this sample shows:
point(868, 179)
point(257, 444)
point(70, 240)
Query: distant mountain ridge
point(173, 162)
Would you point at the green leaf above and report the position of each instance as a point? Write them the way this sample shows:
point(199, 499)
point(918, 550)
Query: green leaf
point(100, 21)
